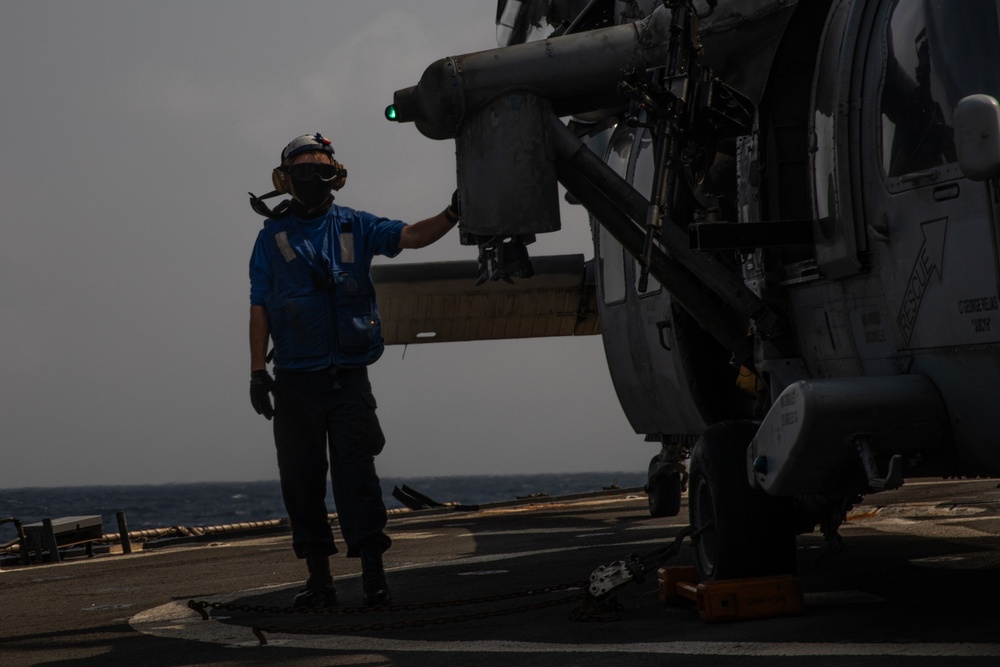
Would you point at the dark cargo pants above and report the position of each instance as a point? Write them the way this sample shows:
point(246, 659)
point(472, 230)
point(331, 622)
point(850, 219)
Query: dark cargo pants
point(321, 412)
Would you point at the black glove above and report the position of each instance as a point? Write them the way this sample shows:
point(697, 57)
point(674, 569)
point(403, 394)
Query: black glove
point(261, 388)
point(455, 207)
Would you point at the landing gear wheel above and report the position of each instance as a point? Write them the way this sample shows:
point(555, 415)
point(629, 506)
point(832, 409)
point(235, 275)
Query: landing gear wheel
point(663, 490)
point(752, 533)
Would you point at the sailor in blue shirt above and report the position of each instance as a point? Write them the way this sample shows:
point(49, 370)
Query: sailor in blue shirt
point(311, 293)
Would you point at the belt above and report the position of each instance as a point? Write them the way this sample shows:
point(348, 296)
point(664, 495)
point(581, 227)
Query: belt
point(337, 371)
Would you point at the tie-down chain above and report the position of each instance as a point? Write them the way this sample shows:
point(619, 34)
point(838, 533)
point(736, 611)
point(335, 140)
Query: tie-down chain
point(599, 603)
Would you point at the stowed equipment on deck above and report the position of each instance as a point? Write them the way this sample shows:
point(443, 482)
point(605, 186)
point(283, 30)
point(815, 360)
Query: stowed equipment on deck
point(48, 536)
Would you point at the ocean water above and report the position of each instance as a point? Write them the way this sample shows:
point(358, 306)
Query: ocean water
point(221, 503)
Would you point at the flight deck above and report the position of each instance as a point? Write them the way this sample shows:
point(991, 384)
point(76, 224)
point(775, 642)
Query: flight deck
point(916, 583)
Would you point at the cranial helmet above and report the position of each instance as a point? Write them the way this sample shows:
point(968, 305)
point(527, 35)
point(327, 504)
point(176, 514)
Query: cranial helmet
point(306, 143)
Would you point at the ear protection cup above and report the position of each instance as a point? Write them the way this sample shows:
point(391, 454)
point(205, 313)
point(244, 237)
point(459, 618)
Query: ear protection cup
point(280, 181)
point(341, 177)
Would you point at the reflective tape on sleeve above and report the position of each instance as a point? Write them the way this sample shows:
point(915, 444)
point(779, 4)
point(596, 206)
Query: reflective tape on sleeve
point(281, 238)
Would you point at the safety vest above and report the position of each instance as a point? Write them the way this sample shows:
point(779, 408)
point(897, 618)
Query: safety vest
point(320, 299)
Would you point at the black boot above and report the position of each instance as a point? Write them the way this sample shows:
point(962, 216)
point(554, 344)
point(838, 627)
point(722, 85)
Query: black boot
point(373, 577)
point(319, 590)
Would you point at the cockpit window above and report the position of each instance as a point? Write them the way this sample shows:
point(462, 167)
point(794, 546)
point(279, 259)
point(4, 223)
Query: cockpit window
point(936, 53)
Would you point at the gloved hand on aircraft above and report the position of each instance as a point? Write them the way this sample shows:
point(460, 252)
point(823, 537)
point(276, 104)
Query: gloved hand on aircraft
point(261, 388)
point(454, 210)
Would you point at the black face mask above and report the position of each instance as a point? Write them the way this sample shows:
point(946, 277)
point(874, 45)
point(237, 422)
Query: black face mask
point(313, 193)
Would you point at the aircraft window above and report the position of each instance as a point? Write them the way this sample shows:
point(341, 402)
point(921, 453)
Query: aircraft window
point(632, 10)
point(610, 251)
point(612, 266)
point(619, 152)
point(642, 180)
point(520, 21)
point(507, 22)
point(936, 53)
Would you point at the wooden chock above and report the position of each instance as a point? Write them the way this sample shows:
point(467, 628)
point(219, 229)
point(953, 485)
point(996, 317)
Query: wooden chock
point(734, 599)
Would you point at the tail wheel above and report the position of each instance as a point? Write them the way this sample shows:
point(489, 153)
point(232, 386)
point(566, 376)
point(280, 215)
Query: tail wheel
point(751, 533)
point(663, 489)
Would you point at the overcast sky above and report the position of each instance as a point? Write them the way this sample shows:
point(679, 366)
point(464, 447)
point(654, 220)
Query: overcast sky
point(131, 133)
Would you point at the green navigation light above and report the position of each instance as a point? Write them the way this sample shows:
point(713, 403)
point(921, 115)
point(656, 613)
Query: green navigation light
point(390, 112)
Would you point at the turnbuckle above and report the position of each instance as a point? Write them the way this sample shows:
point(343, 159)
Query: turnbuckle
point(633, 567)
point(606, 578)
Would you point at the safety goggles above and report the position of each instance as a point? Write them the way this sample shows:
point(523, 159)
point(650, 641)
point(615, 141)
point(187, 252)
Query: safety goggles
point(306, 171)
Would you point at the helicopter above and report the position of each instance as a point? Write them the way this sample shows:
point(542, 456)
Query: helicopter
point(794, 209)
